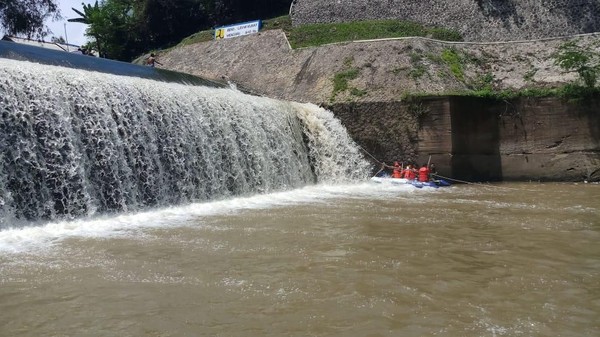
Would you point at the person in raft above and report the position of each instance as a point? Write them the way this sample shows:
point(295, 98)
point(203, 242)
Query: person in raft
point(432, 169)
point(409, 173)
point(397, 170)
point(424, 173)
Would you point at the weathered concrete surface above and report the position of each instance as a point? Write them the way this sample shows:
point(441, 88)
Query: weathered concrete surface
point(476, 20)
point(386, 70)
point(531, 143)
point(401, 131)
point(550, 138)
point(478, 139)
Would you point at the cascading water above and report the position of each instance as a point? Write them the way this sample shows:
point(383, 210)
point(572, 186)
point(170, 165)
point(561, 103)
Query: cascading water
point(76, 143)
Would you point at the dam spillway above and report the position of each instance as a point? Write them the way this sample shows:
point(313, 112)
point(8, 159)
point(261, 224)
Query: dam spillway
point(78, 143)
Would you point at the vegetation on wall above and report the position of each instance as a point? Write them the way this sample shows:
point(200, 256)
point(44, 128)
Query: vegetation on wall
point(528, 77)
point(320, 34)
point(280, 22)
point(455, 62)
point(124, 29)
point(341, 80)
point(418, 68)
point(572, 58)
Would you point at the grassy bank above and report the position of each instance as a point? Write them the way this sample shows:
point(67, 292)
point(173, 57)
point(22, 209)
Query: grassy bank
point(319, 34)
point(470, 69)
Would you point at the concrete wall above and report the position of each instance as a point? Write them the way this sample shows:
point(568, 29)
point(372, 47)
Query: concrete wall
point(477, 20)
point(521, 140)
point(265, 64)
point(551, 138)
point(477, 139)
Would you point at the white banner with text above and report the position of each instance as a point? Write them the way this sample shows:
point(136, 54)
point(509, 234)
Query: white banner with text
point(236, 30)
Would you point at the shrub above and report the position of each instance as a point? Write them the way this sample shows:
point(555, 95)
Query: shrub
point(573, 58)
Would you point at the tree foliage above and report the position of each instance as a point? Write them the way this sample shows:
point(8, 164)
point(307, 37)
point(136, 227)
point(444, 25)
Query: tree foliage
point(166, 20)
point(88, 11)
point(114, 27)
point(27, 16)
point(124, 29)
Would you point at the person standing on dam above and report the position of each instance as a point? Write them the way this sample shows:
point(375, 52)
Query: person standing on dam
point(152, 61)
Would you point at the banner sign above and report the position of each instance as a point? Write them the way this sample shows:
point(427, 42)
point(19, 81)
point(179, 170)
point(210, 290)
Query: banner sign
point(236, 30)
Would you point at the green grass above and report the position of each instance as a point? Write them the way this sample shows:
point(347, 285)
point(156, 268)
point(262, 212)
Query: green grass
point(418, 71)
point(202, 36)
point(483, 83)
point(416, 60)
point(454, 62)
point(340, 80)
point(281, 22)
point(357, 92)
point(320, 34)
point(567, 92)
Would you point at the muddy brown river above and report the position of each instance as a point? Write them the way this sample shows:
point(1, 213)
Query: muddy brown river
point(353, 260)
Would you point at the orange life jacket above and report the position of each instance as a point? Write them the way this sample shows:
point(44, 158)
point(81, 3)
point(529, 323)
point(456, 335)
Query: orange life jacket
point(424, 174)
point(409, 174)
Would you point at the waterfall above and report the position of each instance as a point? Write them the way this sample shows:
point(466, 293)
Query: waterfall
point(77, 143)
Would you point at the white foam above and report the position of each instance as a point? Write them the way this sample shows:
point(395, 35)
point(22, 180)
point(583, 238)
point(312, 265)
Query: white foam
point(78, 142)
point(15, 240)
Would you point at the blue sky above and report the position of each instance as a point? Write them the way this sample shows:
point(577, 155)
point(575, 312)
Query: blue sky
point(74, 31)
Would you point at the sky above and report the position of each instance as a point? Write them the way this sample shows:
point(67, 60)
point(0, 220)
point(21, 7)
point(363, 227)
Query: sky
point(74, 30)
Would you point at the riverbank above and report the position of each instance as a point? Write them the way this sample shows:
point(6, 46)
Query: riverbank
point(374, 80)
point(479, 139)
point(375, 70)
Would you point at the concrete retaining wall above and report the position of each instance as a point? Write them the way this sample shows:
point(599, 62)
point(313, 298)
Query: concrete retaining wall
point(477, 139)
point(543, 139)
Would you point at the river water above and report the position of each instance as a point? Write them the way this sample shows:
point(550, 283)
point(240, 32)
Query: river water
point(329, 260)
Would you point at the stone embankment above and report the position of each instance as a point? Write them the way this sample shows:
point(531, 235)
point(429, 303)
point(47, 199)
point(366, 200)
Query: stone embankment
point(366, 85)
point(383, 70)
point(476, 20)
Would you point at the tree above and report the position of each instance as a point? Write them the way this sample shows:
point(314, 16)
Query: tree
point(165, 21)
point(124, 29)
point(88, 11)
point(118, 25)
point(242, 10)
point(87, 16)
point(27, 16)
point(573, 58)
